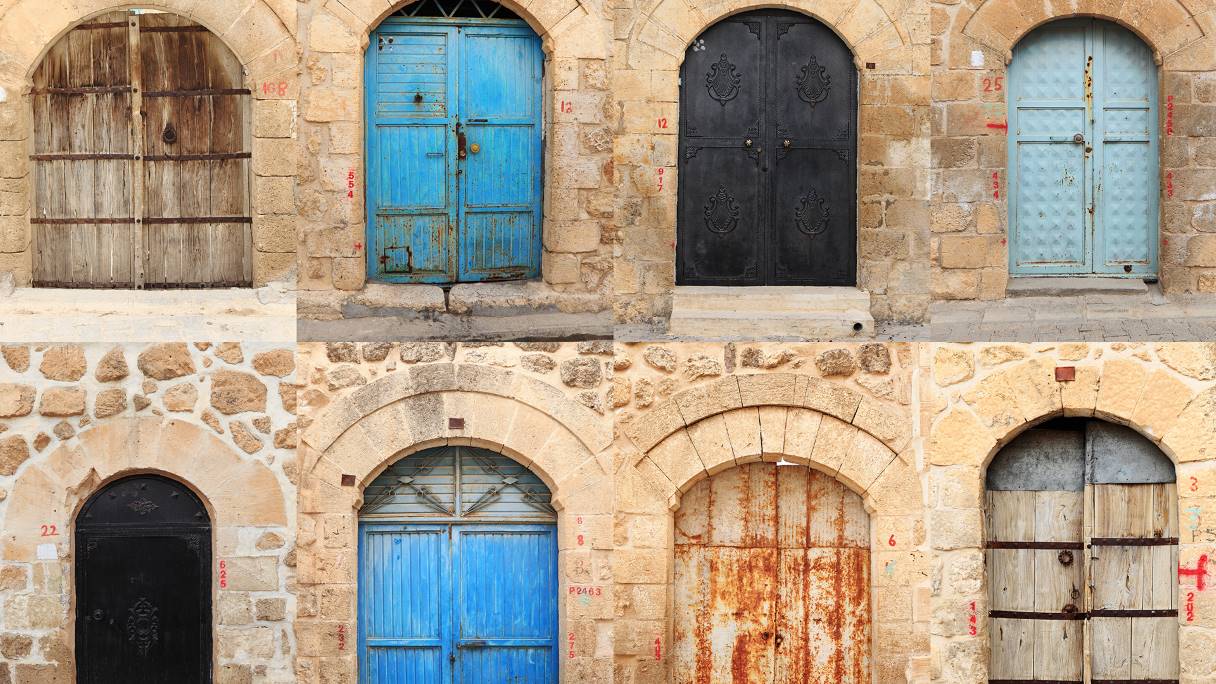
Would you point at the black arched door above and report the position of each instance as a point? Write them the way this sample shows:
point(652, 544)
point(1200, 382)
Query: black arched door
point(768, 138)
point(143, 584)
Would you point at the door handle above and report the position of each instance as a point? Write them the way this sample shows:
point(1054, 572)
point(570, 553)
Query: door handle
point(1079, 138)
point(472, 643)
point(474, 148)
point(97, 615)
point(747, 143)
point(461, 151)
point(777, 642)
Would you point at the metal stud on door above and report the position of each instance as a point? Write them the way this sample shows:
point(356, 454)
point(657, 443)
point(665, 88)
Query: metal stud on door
point(768, 106)
point(457, 572)
point(453, 148)
point(1083, 165)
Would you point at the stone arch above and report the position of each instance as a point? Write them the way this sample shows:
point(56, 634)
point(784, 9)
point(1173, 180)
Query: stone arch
point(866, 27)
point(253, 34)
point(52, 490)
point(1166, 26)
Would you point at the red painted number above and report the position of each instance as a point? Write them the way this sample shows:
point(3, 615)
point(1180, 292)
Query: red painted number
point(994, 84)
point(223, 574)
point(579, 520)
point(50, 531)
point(341, 637)
point(570, 643)
point(350, 183)
point(662, 122)
point(273, 88)
point(1169, 192)
point(996, 185)
point(891, 540)
point(1169, 115)
point(587, 591)
point(660, 171)
point(1194, 484)
point(1190, 606)
point(972, 621)
point(658, 648)
point(566, 107)
point(580, 540)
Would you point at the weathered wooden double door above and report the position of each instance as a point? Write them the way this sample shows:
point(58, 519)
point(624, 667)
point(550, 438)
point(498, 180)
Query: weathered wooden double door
point(454, 180)
point(772, 580)
point(1082, 555)
point(1083, 152)
point(141, 157)
point(768, 137)
point(457, 572)
point(143, 584)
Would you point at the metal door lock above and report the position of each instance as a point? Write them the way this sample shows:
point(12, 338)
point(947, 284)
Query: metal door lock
point(1079, 139)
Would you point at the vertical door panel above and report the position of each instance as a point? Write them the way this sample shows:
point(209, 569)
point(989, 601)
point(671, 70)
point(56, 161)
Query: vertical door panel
point(720, 214)
point(506, 603)
point(403, 603)
point(771, 579)
point(1127, 191)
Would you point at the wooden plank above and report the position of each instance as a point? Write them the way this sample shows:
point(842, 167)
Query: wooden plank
point(1011, 517)
point(139, 243)
point(1111, 644)
point(1059, 579)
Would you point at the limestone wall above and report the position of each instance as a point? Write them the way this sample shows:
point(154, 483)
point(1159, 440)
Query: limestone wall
point(366, 406)
point(687, 410)
point(260, 33)
point(972, 46)
point(890, 43)
point(218, 417)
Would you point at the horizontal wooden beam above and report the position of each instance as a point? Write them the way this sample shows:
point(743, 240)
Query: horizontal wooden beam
point(197, 93)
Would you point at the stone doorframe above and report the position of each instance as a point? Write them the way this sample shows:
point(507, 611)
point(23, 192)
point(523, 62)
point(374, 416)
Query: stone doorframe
point(49, 492)
point(570, 30)
point(771, 417)
point(262, 36)
point(892, 185)
point(562, 442)
point(976, 426)
point(973, 48)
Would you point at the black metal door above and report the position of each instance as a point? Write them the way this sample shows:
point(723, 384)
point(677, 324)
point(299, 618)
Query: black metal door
point(143, 584)
point(768, 138)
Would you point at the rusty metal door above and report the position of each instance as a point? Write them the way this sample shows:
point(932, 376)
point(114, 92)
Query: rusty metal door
point(772, 579)
point(454, 145)
point(1082, 528)
point(141, 157)
point(768, 138)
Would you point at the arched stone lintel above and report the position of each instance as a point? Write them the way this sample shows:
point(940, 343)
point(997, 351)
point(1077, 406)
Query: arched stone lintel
point(887, 483)
point(999, 25)
point(672, 25)
point(250, 35)
point(583, 423)
point(52, 491)
point(1127, 392)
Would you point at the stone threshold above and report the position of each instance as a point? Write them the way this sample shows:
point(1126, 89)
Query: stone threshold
point(1076, 286)
point(770, 313)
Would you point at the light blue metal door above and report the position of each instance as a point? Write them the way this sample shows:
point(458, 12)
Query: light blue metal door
point(457, 572)
point(1083, 143)
point(454, 149)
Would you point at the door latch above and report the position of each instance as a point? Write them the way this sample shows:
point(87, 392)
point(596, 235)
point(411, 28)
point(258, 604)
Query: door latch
point(473, 643)
point(1079, 138)
point(461, 151)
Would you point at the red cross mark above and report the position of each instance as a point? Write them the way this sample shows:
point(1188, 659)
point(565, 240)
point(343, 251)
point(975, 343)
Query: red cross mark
point(1198, 572)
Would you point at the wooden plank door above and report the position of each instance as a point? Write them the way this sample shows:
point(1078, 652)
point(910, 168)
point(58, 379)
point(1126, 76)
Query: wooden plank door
point(772, 579)
point(141, 157)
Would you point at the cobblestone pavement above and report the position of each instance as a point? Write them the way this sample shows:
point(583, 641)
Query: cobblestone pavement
point(1075, 319)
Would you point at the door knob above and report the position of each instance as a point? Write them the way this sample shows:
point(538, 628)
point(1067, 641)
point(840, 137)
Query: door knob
point(747, 143)
point(1079, 139)
point(786, 143)
point(474, 148)
point(97, 615)
point(1065, 558)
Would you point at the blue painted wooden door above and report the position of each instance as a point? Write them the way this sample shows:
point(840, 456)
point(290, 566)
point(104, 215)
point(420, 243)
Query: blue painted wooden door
point(454, 173)
point(457, 603)
point(1083, 142)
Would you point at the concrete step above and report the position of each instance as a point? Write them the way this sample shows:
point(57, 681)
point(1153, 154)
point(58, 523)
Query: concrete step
point(1076, 287)
point(814, 313)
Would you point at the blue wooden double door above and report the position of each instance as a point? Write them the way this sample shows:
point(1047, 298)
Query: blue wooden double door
point(1083, 151)
point(454, 150)
point(457, 573)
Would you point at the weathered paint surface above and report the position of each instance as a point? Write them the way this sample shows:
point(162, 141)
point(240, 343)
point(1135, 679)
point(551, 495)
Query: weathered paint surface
point(453, 150)
point(1083, 152)
point(772, 579)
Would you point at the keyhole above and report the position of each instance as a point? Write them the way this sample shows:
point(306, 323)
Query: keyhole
point(169, 135)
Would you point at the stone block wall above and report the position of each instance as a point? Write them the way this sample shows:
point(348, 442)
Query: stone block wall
point(972, 45)
point(978, 398)
point(260, 33)
point(688, 410)
point(217, 417)
point(366, 406)
point(890, 42)
point(578, 182)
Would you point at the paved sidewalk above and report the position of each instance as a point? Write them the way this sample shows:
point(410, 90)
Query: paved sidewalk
point(1092, 318)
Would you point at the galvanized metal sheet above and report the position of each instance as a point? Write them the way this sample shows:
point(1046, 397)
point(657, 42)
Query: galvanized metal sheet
point(1040, 460)
point(772, 579)
point(454, 148)
point(1083, 172)
point(1120, 455)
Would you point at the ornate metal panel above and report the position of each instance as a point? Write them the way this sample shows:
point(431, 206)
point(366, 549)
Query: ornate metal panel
point(1083, 172)
point(466, 591)
point(143, 584)
point(767, 191)
point(454, 144)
